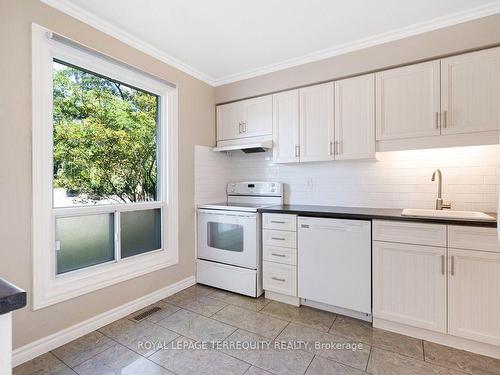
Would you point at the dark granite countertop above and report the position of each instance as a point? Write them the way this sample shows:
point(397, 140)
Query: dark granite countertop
point(11, 297)
point(368, 214)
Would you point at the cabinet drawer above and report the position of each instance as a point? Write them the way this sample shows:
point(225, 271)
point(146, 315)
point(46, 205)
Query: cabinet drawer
point(473, 238)
point(280, 278)
point(280, 222)
point(279, 238)
point(414, 233)
point(280, 255)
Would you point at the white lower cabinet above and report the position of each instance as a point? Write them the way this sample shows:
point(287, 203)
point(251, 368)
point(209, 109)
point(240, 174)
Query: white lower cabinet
point(280, 254)
point(279, 271)
point(280, 278)
point(279, 238)
point(474, 295)
point(455, 292)
point(409, 284)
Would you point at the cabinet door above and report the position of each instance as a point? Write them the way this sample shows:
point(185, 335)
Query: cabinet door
point(229, 121)
point(316, 123)
point(474, 295)
point(409, 284)
point(408, 101)
point(470, 89)
point(258, 116)
point(355, 117)
point(286, 127)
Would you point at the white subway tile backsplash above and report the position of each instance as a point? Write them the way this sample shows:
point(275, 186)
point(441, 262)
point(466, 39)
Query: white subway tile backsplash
point(212, 173)
point(395, 180)
point(491, 180)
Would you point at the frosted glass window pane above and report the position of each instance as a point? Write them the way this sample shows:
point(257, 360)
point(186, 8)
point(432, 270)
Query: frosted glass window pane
point(225, 236)
point(84, 241)
point(140, 231)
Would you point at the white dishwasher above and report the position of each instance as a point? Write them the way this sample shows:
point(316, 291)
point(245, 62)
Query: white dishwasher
point(334, 264)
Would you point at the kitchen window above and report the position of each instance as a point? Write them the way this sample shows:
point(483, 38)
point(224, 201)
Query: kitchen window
point(104, 170)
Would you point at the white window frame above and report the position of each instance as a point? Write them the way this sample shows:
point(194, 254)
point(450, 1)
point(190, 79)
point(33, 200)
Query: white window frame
point(49, 288)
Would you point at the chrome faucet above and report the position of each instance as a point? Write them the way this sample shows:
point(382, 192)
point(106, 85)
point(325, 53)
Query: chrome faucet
point(439, 201)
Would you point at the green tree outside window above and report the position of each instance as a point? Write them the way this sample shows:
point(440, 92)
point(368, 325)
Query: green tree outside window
point(105, 138)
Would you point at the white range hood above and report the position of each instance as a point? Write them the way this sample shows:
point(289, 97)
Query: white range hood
point(247, 145)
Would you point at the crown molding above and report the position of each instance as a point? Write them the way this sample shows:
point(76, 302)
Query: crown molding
point(404, 32)
point(106, 27)
point(98, 23)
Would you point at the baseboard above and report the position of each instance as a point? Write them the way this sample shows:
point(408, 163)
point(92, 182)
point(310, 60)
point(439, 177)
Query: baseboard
point(48, 343)
point(439, 338)
point(290, 300)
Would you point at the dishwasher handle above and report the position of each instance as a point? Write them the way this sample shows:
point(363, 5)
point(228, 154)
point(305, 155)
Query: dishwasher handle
point(343, 228)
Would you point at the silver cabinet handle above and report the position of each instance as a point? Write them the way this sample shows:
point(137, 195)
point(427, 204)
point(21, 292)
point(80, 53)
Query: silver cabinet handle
point(452, 270)
point(277, 222)
point(278, 238)
point(332, 151)
point(437, 121)
point(244, 127)
point(445, 119)
point(278, 279)
point(297, 151)
point(278, 255)
point(239, 127)
point(442, 264)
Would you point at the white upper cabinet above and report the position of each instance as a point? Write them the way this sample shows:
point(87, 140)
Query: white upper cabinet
point(470, 88)
point(474, 295)
point(259, 116)
point(246, 118)
point(229, 118)
point(316, 123)
point(355, 118)
point(408, 101)
point(441, 103)
point(286, 140)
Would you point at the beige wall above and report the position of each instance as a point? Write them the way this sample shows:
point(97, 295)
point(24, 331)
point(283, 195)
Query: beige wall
point(471, 35)
point(196, 126)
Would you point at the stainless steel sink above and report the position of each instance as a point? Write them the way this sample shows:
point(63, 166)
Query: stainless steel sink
point(447, 214)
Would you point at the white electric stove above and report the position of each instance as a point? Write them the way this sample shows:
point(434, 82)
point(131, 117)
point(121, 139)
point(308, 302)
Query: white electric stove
point(229, 237)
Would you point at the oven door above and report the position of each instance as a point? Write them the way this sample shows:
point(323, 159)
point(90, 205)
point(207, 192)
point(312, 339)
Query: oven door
point(228, 237)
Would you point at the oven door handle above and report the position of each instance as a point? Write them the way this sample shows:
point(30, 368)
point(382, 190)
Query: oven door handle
point(204, 212)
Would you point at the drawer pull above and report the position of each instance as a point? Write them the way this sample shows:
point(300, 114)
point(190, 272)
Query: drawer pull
point(278, 255)
point(277, 222)
point(452, 265)
point(442, 265)
point(278, 238)
point(278, 279)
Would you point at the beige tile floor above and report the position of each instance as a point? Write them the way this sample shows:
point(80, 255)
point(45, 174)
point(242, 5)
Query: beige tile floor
point(202, 330)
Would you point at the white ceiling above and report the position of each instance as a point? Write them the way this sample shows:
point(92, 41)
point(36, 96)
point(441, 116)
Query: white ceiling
point(221, 41)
